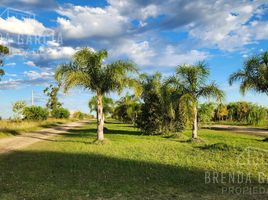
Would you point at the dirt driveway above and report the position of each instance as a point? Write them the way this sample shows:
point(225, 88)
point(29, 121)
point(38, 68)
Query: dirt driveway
point(21, 141)
point(240, 129)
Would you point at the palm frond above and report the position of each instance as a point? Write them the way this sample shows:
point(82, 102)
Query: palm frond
point(116, 76)
point(69, 76)
point(236, 76)
point(2, 72)
point(211, 91)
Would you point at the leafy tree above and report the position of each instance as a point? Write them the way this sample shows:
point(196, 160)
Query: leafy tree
point(108, 105)
point(52, 92)
point(79, 115)
point(206, 112)
point(192, 81)
point(60, 113)
point(36, 113)
point(254, 74)
point(221, 112)
point(149, 119)
point(256, 115)
point(246, 112)
point(3, 52)
point(127, 109)
point(88, 71)
point(160, 111)
point(17, 108)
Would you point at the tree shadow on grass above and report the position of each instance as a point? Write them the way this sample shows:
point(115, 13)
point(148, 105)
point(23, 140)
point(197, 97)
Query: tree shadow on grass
point(113, 122)
point(91, 131)
point(9, 131)
point(54, 175)
point(51, 125)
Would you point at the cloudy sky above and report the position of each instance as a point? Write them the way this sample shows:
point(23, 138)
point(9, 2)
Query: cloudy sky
point(157, 35)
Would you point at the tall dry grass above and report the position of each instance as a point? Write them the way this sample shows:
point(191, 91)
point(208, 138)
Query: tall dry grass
point(10, 127)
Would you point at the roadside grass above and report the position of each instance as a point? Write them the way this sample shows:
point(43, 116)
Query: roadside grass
point(133, 166)
point(12, 128)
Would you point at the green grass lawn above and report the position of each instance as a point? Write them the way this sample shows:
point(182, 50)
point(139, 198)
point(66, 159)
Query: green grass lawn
point(133, 166)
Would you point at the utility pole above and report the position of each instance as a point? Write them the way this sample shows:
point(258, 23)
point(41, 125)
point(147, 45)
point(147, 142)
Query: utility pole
point(32, 98)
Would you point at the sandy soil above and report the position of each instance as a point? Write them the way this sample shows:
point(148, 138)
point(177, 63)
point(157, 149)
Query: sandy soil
point(239, 129)
point(21, 141)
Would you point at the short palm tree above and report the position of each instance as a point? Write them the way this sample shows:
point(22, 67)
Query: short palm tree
point(254, 74)
point(88, 71)
point(190, 81)
point(108, 105)
point(3, 51)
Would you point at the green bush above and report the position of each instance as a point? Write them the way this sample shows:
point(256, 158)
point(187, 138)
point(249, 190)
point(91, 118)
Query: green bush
point(60, 113)
point(35, 113)
point(79, 115)
point(205, 112)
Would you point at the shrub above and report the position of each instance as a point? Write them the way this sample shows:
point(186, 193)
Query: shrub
point(17, 108)
point(35, 113)
point(149, 120)
point(79, 115)
point(206, 112)
point(60, 113)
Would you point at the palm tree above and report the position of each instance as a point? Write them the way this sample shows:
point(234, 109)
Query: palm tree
point(190, 81)
point(127, 108)
point(3, 51)
point(254, 74)
point(88, 71)
point(108, 105)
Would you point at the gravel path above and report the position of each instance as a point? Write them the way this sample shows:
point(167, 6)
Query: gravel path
point(21, 141)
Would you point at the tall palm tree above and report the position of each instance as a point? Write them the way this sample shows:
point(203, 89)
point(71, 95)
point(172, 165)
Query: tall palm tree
point(87, 70)
point(191, 83)
point(254, 74)
point(3, 51)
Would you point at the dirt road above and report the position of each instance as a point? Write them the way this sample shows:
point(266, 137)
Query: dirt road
point(240, 129)
point(21, 141)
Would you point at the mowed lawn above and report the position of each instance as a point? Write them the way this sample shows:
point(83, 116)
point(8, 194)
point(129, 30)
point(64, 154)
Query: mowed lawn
point(133, 166)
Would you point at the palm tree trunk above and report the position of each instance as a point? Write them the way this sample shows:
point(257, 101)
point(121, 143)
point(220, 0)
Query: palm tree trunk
point(195, 125)
point(100, 118)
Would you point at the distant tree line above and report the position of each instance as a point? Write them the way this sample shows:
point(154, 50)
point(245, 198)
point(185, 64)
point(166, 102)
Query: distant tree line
point(241, 112)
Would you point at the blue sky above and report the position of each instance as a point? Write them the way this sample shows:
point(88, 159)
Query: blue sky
point(157, 35)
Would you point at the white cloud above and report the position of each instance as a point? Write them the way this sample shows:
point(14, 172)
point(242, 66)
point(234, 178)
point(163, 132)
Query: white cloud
point(225, 25)
point(171, 57)
point(11, 75)
point(10, 64)
point(143, 54)
point(49, 54)
point(26, 26)
point(83, 22)
point(30, 63)
point(33, 75)
point(56, 53)
point(132, 9)
point(9, 84)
